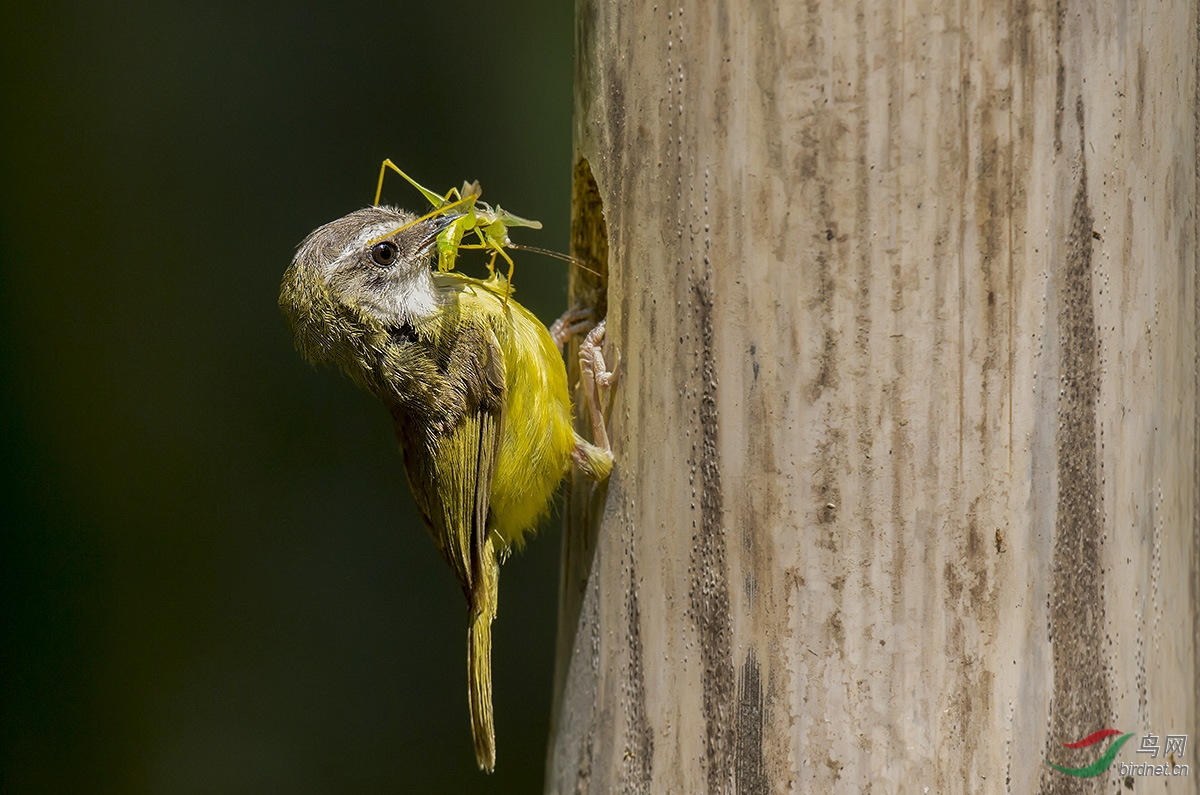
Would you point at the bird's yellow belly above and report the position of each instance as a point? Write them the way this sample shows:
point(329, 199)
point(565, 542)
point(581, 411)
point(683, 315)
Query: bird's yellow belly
point(537, 436)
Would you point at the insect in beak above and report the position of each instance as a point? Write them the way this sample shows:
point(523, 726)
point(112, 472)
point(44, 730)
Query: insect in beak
point(432, 228)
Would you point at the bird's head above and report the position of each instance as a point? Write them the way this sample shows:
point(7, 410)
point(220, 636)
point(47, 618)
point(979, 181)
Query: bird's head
point(361, 274)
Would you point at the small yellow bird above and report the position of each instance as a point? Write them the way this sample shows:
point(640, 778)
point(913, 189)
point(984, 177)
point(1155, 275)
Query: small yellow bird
point(476, 387)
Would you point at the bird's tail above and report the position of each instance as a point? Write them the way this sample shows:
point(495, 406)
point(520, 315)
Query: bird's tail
point(479, 658)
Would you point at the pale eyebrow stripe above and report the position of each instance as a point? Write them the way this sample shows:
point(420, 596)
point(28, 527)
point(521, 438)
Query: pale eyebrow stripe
point(364, 236)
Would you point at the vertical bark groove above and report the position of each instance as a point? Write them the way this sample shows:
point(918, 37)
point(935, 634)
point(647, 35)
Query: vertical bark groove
point(1080, 702)
point(709, 590)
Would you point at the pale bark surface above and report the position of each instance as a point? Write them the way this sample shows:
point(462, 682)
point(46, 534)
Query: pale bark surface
point(906, 477)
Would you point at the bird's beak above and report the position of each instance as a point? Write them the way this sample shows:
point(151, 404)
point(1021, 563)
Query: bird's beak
point(433, 227)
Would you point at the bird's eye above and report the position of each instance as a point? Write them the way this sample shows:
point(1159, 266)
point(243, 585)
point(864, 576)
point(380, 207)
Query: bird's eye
point(384, 253)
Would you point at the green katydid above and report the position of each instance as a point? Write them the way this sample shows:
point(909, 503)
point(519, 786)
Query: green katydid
point(489, 225)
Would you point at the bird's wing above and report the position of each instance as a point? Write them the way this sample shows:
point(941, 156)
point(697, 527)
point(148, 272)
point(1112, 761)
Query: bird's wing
point(454, 491)
point(461, 491)
point(451, 461)
point(479, 441)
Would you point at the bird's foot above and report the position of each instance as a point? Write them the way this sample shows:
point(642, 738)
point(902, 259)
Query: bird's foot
point(573, 321)
point(595, 458)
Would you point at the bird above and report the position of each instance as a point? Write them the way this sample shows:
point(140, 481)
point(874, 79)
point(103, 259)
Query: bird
point(476, 387)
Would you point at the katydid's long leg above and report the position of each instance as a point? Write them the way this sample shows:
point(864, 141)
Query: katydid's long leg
point(508, 280)
point(433, 198)
point(438, 211)
point(379, 186)
point(496, 250)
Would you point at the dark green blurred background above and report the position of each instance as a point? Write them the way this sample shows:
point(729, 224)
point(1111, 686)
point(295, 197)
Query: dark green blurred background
point(211, 573)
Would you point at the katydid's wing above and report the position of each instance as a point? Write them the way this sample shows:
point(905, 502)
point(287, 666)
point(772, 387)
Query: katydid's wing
point(515, 220)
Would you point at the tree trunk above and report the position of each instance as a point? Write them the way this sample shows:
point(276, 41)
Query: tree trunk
point(906, 490)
